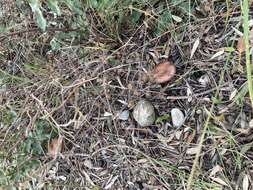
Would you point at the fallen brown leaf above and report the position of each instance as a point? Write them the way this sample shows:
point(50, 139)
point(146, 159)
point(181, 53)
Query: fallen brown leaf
point(240, 45)
point(191, 136)
point(163, 72)
point(55, 146)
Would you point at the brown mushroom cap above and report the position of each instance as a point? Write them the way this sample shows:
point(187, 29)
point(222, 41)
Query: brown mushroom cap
point(163, 72)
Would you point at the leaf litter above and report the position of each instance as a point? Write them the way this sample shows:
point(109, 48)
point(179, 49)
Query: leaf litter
point(110, 68)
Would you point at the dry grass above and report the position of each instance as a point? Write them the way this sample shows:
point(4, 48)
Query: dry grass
point(69, 91)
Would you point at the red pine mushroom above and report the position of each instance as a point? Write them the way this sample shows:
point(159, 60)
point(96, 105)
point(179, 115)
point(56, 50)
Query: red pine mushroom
point(163, 72)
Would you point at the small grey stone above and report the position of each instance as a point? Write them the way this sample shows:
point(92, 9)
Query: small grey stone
point(177, 117)
point(204, 80)
point(124, 115)
point(144, 113)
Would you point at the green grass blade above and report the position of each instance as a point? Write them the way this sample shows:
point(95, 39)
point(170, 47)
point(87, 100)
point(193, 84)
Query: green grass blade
point(245, 11)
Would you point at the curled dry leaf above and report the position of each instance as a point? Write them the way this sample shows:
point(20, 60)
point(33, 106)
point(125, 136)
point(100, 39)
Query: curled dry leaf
point(194, 48)
point(240, 45)
point(55, 146)
point(163, 72)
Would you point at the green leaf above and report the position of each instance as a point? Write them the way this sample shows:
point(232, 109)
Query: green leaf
point(55, 45)
point(73, 5)
point(94, 3)
point(53, 5)
point(3, 29)
point(135, 16)
point(163, 21)
point(183, 6)
point(8, 117)
point(162, 119)
point(34, 4)
point(40, 20)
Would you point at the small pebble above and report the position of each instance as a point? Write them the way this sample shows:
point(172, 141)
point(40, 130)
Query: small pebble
point(177, 117)
point(144, 113)
point(204, 80)
point(124, 115)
